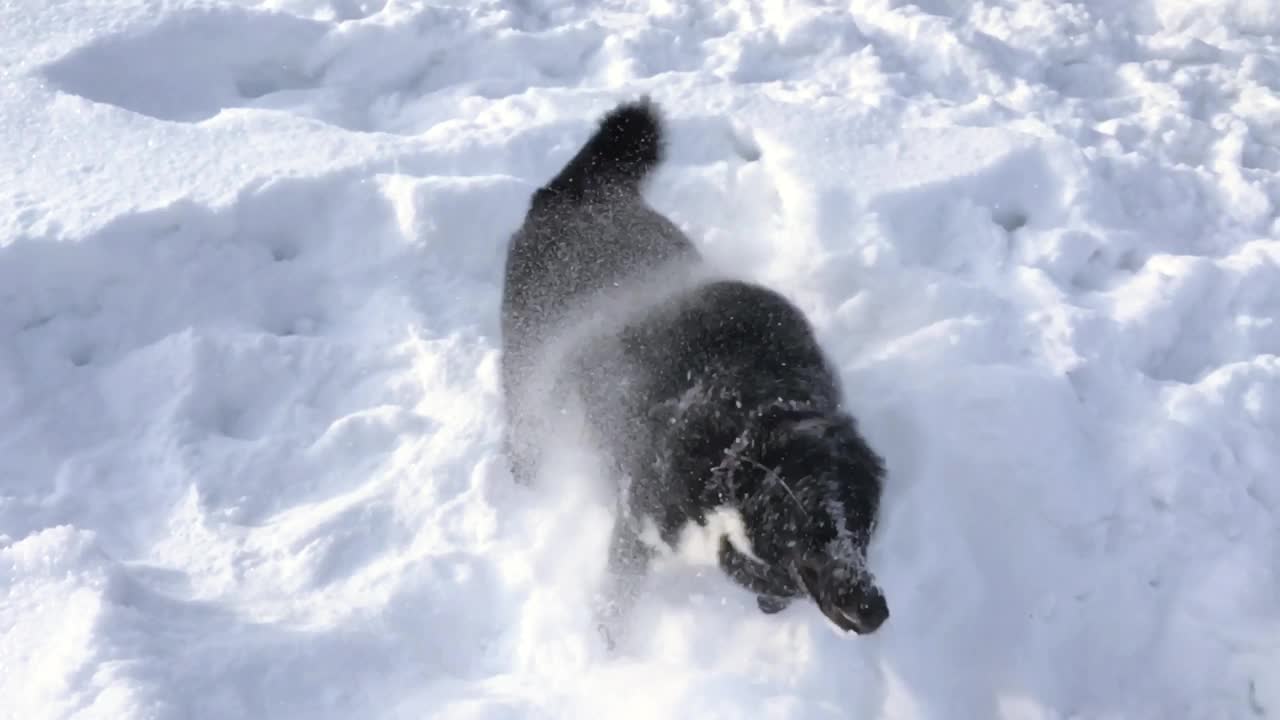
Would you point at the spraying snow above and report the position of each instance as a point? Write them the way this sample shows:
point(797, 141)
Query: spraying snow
point(250, 425)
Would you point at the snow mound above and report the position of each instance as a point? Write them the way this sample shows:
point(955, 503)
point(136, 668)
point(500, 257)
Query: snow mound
point(250, 261)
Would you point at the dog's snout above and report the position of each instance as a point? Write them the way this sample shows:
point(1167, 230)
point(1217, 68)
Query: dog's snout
point(868, 612)
point(850, 600)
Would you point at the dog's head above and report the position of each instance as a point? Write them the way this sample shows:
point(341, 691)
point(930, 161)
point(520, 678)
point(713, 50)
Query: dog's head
point(814, 493)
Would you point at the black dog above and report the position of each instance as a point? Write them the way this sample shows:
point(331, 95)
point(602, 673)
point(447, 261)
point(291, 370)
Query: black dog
point(709, 395)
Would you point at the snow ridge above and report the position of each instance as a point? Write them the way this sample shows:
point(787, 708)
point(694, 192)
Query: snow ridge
point(250, 261)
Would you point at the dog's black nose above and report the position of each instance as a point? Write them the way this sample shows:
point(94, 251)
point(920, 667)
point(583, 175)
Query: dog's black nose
point(848, 597)
point(868, 613)
point(770, 605)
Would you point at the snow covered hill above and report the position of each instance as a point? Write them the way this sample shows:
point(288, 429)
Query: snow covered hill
point(250, 260)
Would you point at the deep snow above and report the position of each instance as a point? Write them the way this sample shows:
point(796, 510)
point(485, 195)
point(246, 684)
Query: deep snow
point(250, 260)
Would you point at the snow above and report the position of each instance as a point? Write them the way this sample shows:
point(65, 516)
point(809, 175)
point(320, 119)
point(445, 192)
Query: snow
point(250, 261)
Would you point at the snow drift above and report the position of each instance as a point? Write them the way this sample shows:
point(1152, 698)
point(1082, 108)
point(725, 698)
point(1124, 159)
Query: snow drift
point(250, 261)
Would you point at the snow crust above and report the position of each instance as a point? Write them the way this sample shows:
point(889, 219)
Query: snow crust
point(250, 261)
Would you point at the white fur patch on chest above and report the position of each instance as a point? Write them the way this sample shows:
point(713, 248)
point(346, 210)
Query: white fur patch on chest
point(700, 544)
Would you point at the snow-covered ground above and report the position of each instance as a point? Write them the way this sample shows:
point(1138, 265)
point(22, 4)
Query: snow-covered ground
point(250, 261)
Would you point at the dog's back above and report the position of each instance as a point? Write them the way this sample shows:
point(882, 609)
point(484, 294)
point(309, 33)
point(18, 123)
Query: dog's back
point(589, 229)
point(588, 233)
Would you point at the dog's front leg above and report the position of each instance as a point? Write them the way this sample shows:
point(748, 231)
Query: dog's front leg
point(520, 436)
point(628, 562)
point(773, 590)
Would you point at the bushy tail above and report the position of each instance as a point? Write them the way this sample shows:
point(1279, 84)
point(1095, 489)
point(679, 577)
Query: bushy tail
point(626, 147)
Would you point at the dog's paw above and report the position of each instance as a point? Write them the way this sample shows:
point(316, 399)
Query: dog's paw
point(612, 633)
point(607, 637)
point(520, 468)
point(521, 475)
point(609, 618)
point(770, 605)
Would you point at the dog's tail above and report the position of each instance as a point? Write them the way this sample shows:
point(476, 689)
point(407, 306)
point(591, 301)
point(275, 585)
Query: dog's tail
point(625, 148)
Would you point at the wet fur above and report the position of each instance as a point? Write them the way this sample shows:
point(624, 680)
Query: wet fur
point(708, 394)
